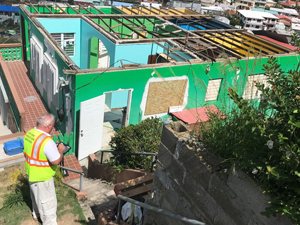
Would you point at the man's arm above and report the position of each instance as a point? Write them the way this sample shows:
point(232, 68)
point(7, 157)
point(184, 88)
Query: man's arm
point(60, 148)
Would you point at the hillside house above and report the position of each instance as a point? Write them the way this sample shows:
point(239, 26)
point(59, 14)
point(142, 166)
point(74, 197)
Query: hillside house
point(97, 69)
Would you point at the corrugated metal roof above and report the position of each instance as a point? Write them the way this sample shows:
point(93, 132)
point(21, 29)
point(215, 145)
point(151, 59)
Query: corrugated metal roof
point(191, 116)
point(279, 43)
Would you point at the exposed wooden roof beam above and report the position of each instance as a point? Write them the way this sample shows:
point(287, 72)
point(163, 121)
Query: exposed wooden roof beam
point(107, 26)
point(142, 6)
point(48, 9)
point(158, 10)
point(97, 9)
point(34, 8)
point(82, 7)
point(126, 7)
point(130, 28)
point(72, 8)
point(61, 8)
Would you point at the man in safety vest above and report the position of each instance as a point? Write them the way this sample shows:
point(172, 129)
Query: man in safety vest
point(41, 157)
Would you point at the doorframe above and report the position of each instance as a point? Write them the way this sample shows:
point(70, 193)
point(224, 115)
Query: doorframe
point(130, 90)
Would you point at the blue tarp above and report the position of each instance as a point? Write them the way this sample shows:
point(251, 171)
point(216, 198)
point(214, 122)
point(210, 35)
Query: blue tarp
point(6, 8)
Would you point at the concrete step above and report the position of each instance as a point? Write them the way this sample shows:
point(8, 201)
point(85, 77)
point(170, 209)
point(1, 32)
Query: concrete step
point(100, 197)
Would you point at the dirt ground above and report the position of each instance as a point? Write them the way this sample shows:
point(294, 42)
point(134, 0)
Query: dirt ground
point(67, 219)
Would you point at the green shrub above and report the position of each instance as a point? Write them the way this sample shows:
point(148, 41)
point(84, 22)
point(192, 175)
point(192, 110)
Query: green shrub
point(264, 141)
point(143, 137)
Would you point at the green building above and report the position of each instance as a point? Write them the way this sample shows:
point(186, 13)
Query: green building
point(99, 69)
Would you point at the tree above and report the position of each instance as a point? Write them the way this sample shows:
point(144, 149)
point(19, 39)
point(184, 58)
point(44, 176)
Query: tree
point(264, 141)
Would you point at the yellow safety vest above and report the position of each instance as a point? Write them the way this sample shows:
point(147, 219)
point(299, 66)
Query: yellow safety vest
point(37, 166)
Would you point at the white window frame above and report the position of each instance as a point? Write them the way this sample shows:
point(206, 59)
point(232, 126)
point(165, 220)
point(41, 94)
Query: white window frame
point(36, 61)
point(50, 67)
point(212, 90)
point(64, 41)
point(251, 91)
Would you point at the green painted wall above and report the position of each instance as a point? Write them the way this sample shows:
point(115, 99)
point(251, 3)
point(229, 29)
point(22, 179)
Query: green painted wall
point(110, 11)
point(94, 45)
point(60, 96)
point(198, 80)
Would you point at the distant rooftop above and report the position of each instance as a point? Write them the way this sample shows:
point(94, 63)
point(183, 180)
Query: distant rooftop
point(256, 14)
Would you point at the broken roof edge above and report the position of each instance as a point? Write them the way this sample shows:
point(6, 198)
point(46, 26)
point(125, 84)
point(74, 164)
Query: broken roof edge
point(161, 65)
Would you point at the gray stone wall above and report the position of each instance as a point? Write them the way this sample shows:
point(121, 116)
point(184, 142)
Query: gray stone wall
point(190, 182)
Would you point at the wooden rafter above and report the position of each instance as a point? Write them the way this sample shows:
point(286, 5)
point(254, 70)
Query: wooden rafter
point(158, 10)
point(130, 28)
point(61, 9)
point(72, 8)
point(142, 6)
point(97, 9)
point(126, 7)
point(240, 55)
point(34, 9)
point(84, 8)
point(168, 10)
point(137, 8)
point(108, 26)
point(48, 9)
point(258, 40)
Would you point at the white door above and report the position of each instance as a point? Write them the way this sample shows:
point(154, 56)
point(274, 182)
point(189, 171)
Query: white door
point(91, 126)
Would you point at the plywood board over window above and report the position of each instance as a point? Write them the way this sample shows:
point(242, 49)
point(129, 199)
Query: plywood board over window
point(212, 90)
point(251, 91)
point(165, 94)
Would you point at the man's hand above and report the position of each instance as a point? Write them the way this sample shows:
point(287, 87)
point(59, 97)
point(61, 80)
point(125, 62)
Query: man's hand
point(61, 148)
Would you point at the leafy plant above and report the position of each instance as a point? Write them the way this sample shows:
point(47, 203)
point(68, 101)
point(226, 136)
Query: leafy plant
point(143, 137)
point(262, 138)
point(12, 199)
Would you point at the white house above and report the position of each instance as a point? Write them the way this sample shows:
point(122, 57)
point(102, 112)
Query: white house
point(286, 11)
point(255, 20)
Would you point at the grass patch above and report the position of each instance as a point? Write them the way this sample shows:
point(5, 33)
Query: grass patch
point(15, 202)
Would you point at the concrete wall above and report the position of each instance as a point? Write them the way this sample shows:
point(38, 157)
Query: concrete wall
point(192, 183)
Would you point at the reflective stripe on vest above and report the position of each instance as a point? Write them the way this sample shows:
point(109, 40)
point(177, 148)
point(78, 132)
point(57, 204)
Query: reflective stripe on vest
point(39, 163)
point(33, 160)
point(37, 146)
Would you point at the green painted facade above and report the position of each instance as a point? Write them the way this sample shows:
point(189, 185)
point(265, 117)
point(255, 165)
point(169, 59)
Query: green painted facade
point(88, 84)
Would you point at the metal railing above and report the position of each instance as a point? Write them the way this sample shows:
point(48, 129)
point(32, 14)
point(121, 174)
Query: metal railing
point(132, 153)
point(75, 171)
point(155, 209)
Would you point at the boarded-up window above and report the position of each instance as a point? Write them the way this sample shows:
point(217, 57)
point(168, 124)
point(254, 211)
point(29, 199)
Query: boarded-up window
point(212, 90)
point(251, 90)
point(164, 94)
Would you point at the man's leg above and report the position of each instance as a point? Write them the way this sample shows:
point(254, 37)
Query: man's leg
point(47, 202)
point(35, 211)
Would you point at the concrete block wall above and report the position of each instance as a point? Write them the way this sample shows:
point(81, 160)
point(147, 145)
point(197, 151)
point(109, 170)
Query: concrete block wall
point(190, 182)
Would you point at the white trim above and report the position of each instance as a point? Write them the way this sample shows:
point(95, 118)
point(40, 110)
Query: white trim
point(52, 66)
point(36, 46)
point(6, 100)
point(173, 108)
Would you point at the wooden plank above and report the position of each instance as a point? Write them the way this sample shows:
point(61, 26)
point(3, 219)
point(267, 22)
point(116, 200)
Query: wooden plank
point(164, 94)
point(137, 191)
point(135, 181)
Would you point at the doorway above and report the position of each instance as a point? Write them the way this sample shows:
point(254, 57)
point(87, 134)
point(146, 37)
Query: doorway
point(116, 114)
